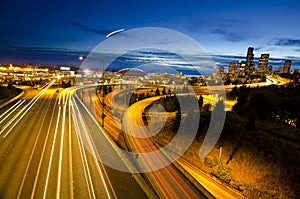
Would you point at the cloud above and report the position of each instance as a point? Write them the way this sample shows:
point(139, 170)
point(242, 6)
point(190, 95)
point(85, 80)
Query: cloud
point(48, 50)
point(287, 42)
point(89, 29)
point(229, 35)
point(32, 54)
point(260, 48)
point(229, 29)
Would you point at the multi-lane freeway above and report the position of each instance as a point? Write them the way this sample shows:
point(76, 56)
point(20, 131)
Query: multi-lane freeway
point(51, 146)
point(167, 182)
point(42, 151)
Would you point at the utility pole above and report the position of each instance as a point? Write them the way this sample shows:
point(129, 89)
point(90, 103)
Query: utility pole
point(103, 115)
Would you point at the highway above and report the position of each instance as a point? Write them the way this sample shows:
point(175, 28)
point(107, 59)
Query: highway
point(167, 182)
point(51, 146)
point(43, 155)
point(159, 179)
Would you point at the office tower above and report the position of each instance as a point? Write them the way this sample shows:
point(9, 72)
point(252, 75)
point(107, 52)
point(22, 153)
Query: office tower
point(242, 64)
point(263, 63)
point(280, 69)
point(221, 70)
point(287, 66)
point(250, 60)
point(232, 67)
point(269, 69)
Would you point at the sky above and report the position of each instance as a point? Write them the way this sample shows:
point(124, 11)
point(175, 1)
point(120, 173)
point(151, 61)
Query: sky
point(57, 32)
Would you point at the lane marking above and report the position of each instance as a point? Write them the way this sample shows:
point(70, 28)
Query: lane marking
point(70, 151)
point(83, 159)
point(10, 109)
point(43, 151)
point(22, 101)
point(31, 155)
point(52, 149)
point(61, 147)
point(95, 154)
point(25, 109)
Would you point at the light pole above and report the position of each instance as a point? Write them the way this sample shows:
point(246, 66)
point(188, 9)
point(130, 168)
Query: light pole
point(102, 84)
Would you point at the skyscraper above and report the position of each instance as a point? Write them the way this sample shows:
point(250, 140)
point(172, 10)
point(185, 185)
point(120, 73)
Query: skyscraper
point(232, 67)
point(263, 63)
point(287, 66)
point(250, 60)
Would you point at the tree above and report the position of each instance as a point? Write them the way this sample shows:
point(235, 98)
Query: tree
point(169, 91)
point(68, 84)
point(157, 93)
point(110, 89)
point(164, 91)
point(200, 101)
point(263, 103)
point(133, 99)
point(206, 107)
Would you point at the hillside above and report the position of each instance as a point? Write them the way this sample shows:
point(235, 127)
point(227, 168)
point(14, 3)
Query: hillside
point(261, 163)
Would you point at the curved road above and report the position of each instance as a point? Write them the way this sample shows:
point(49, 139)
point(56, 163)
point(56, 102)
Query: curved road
point(168, 181)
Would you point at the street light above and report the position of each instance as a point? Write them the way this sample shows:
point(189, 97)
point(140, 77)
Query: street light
point(102, 61)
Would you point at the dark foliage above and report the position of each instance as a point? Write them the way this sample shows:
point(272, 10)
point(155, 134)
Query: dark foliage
point(272, 102)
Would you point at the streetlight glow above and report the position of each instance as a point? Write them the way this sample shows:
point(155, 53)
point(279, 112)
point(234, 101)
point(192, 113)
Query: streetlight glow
point(81, 57)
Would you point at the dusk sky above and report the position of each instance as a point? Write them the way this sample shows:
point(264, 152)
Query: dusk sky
point(52, 31)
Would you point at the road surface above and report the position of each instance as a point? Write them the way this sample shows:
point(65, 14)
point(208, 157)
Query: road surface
point(42, 152)
point(167, 181)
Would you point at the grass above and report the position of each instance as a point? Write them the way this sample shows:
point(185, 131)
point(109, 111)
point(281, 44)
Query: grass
point(261, 163)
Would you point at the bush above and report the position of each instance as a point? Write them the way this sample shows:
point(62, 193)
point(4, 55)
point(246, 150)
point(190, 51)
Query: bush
point(211, 161)
point(222, 172)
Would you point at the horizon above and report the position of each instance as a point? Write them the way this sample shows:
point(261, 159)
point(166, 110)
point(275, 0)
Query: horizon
point(219, 61)
point(55, 32)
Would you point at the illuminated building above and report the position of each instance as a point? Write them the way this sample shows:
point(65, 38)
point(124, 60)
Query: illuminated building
point(232, 67)
point(280, 69)
point(287, 66)
point(250, 60)
point(263, 63)
point(221, 70)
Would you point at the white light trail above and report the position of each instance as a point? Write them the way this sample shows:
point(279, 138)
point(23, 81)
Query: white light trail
point(10, 109)
point(114, 32)
point(30, 158)
point(70, 149)
point(43, 153)
point(61, 145)
point(83, 156)
point(18, 105)
point(24, 110)
point(91, 147)
point(52, 149)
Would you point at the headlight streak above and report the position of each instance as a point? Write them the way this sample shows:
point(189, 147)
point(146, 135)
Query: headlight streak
point(89, 143)
point(70, 145)
point(31, 156)
point(23, 111)
point(19, 103)
point(52, 148)
point(43, 153)
point(64, 99)
point(10, 108)
point(82, 153)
